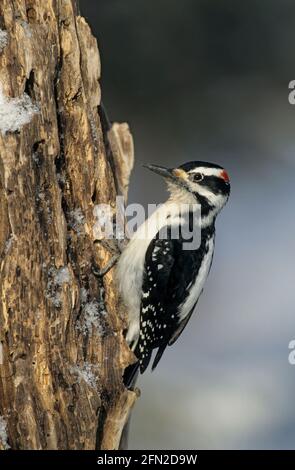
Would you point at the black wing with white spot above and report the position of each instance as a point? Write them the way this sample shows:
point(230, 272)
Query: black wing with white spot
point(168, 274)
point(159, 262)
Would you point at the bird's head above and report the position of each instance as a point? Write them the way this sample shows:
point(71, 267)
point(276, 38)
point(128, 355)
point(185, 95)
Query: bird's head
point(200, 182)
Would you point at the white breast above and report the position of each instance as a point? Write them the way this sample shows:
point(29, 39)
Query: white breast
point(131, 264)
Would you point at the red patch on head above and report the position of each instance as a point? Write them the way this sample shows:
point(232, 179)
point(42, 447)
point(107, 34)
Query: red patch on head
point(224, 176)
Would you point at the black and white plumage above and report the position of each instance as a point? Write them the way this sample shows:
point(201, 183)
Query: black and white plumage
point(159, 280)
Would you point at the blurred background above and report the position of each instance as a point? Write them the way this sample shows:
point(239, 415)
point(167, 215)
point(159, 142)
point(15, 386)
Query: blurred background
point(208, 80)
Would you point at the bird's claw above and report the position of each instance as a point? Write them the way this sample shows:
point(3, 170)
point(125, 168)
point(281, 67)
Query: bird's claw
point(102, 272)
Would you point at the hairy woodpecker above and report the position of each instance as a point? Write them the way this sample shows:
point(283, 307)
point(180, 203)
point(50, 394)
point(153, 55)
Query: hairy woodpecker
point(160, 281)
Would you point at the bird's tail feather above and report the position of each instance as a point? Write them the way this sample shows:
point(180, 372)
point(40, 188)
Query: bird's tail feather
point(130, 375)
point(158, 356)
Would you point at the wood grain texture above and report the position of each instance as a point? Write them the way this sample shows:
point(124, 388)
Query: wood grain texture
point(61, 329)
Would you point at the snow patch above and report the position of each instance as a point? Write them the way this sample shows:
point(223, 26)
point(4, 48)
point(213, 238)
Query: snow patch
point(3, 39)
point(83, 295)
point(91, 317)
point(87, 373)
point(62, 276)
point(56, 279)
point(15, 112)
point(92, 313)
point(3, 433)
point(27, 29)
point(77, 221)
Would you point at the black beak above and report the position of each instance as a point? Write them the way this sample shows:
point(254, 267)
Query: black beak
point(162, 171)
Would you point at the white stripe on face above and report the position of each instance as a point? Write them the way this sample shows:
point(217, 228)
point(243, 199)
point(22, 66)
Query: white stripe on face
point(207, 171)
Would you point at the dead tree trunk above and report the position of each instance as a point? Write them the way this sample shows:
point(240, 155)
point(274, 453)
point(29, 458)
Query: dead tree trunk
point(62, 350)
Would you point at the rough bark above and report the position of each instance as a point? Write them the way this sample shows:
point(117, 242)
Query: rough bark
point(61, 328)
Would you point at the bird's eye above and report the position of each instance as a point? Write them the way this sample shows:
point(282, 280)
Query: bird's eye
point(197, 177)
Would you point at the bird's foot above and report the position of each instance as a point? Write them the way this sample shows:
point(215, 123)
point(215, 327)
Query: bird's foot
point(113, 245)
point(102, 272)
